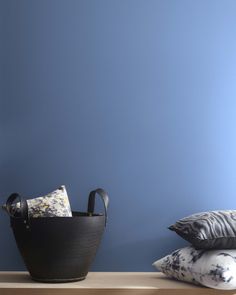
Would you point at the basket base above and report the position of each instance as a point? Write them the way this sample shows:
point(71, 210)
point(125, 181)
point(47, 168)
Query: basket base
point(58, 280)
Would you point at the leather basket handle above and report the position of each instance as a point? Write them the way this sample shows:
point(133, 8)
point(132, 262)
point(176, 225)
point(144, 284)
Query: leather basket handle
point(91, 202)
point(23, 208)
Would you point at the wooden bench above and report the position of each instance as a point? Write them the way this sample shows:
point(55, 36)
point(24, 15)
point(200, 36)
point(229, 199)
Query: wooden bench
point(103, 283)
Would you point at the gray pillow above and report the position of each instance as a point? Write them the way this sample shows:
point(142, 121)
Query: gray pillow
point(208, 230)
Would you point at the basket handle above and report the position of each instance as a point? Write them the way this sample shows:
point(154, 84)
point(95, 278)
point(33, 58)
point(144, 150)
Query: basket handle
point(23, 207)
point(91, 201)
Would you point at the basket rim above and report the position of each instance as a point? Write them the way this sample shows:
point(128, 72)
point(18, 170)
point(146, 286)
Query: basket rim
point(78, 214)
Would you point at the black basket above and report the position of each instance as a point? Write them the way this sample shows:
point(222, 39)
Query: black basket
point(59, 249)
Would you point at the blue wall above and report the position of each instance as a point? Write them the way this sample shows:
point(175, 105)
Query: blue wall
point(138, 97)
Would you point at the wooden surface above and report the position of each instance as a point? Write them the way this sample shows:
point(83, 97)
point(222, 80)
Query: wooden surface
point(103, 283)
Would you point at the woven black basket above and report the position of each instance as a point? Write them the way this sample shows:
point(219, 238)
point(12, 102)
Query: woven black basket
point(59, 249)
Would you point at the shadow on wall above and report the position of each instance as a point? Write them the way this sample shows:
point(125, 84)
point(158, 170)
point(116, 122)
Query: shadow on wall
point(144, 253)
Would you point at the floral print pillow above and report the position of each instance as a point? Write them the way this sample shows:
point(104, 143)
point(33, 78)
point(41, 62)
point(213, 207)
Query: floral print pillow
point(54, 204)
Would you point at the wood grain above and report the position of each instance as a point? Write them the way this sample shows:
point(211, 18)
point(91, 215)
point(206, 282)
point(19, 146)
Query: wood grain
point(103, 283)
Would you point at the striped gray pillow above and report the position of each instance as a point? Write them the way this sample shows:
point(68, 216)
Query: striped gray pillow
point(208, 230)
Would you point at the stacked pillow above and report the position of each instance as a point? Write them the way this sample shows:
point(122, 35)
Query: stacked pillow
point(211, 260)
point(208, 230)
point(210, 268)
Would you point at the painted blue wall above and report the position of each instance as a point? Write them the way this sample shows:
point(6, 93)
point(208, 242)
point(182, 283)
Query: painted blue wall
point(135, 96)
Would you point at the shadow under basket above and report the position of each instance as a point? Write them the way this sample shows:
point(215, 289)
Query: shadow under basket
point(60, 249)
